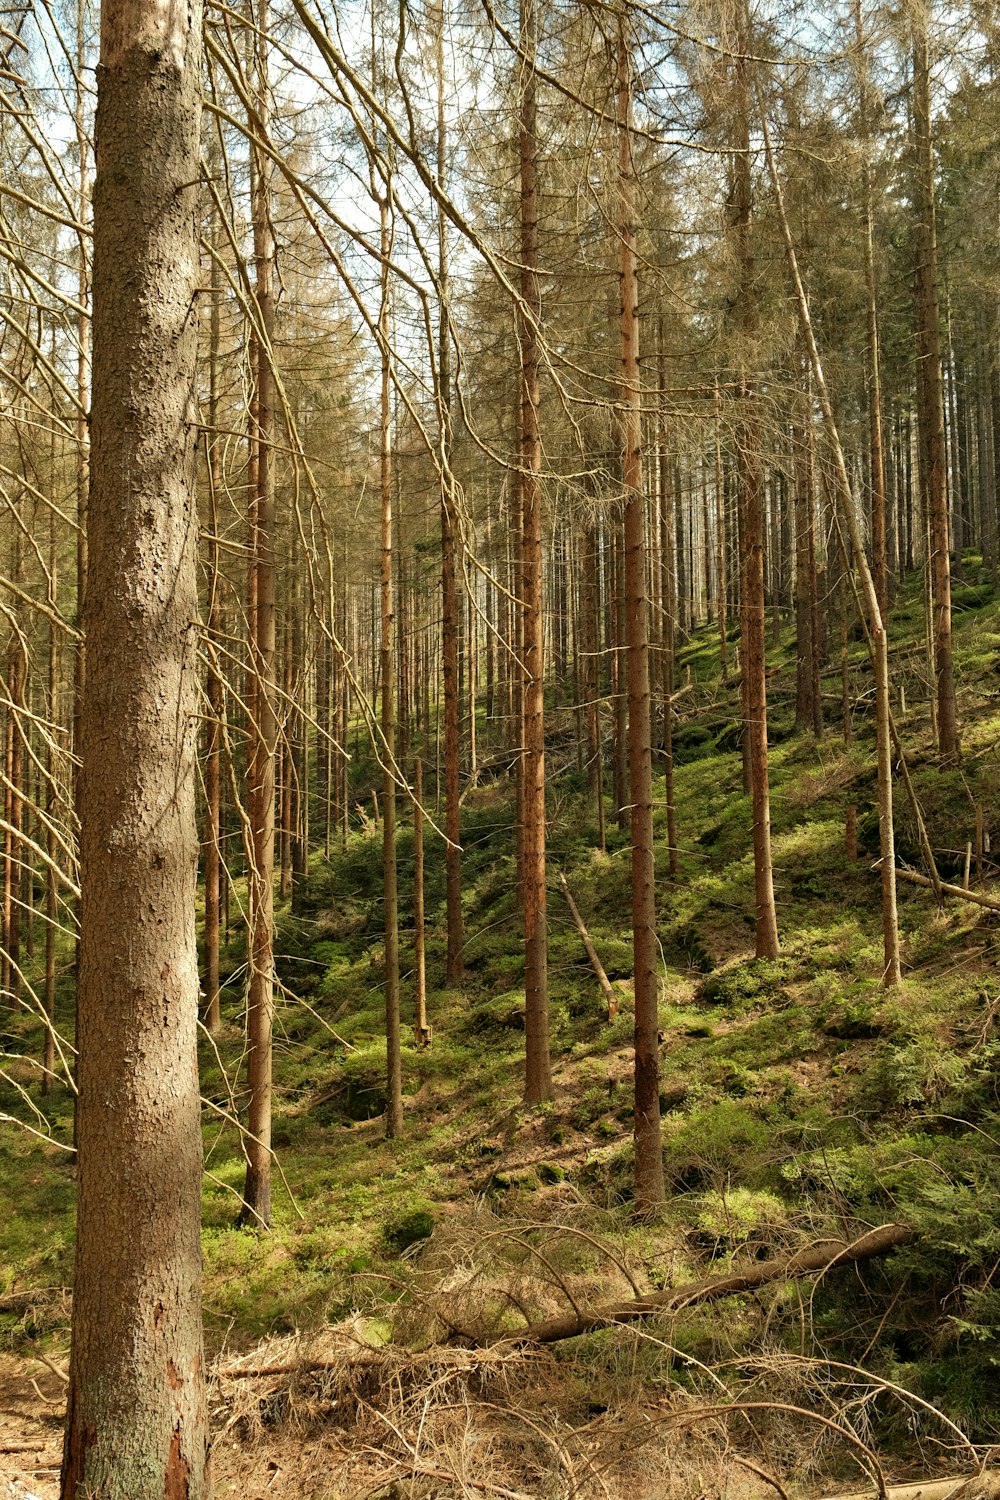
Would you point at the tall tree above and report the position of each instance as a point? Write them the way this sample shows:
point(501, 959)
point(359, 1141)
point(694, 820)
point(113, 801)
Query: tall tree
point(750, 499)
point(648, 1150)
point(136, 1422)
point(538, 1076)
point(930, 387)
point(844, 499)
point(454, 959)
point(390, 894)
point(263, 727)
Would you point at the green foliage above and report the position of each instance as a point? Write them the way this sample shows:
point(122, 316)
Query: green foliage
point(732, 1219)
point(744, 984)
point(409, 1228)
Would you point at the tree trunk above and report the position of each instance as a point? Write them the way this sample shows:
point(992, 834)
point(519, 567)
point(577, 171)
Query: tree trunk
point(648, 1151)
point(10, 979)
point(589, 606)
point(720, 540)
point(668, 595)
point(264, 726)
point(537, 1067)
point(51, 845)
point(390, 894)
point(421, 1029)
point(931, 404)
point(214, 686)
point(618, 674)
point(844, 496)
point(137, 1421)
point(805, 575)
point(454, 960)
point(750, 496)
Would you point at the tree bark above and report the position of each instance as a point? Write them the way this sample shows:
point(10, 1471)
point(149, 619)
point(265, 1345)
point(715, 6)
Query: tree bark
point(214, 686)
point(390, 893)
point(454, 960)
point(261, 788)
point(137, 1421)
point(646, 1129)
point(844, 497)
point(421, 1028)
point(931, 389)
point(750, 495)
point(537, 1065)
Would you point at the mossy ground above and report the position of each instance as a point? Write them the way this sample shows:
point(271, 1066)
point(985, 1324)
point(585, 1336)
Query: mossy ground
point(799, 1098)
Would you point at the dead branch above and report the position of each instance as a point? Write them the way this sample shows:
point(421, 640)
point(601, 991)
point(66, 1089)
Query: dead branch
point(820, 1258)
point(42, 1296)
point(595, 963)
point(990, 902)
point(978, 1485)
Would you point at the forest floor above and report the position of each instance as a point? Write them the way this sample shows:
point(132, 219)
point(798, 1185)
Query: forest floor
point(801, 1103)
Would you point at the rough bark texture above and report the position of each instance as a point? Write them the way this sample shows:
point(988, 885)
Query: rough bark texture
point(668, 608)
point(931, 395)
point(648, 1152)
point(589, 606)
point(214, 685)
point(873, 371)
point(263, 654)
point(136, 1423)
point(750, 492)
point(421, 1029)
point(390, 893)
point(454, 959)
point(537, 1068)
point(806, 705)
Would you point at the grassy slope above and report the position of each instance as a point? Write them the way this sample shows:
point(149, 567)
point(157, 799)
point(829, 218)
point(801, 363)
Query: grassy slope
point(799, 1098)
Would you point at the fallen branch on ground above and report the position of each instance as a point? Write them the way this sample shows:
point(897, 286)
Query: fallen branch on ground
point(816, 1260)
point(39, 1296)
point(968, 1485)
point(990, 902)
point(610, 998)
point(822, 1257)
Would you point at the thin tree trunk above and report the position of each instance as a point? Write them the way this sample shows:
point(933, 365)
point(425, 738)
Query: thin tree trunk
point(264, 726)
point(51, 802)
point(805, 578)
point(648, 1151)
point(844, 497)
point(618, 674)
point(454, 961)
point(750, 492)
point(589, 604)
point(214, 686)
point(390, 893)
point(720, 541)
point(928, 313)
point(421, 1029)
point(537, 1067)
point(668, 593)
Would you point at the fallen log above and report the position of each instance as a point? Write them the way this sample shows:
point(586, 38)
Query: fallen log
point(991, 903)
point(969, 1485)
point(819, 1258)
point(825, 1256)
point(610, 998)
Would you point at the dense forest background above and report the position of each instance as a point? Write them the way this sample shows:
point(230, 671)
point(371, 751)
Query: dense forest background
point(598, 436)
